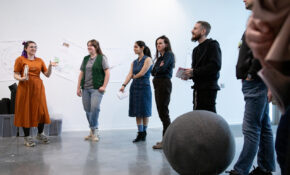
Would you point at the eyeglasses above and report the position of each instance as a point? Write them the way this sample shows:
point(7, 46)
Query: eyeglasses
point(33, 47)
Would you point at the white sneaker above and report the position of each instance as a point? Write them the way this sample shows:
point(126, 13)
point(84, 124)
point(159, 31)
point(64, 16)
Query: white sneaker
point(89, 137)
point(29, 142)
point(95, 138)
point(43, 138)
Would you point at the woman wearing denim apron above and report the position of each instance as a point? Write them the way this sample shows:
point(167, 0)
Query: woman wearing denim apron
point(140, 103)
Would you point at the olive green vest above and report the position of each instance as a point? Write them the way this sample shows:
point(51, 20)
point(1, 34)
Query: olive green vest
point(97, 71)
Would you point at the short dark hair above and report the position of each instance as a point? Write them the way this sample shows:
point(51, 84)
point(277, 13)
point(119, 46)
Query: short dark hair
point(206, 26)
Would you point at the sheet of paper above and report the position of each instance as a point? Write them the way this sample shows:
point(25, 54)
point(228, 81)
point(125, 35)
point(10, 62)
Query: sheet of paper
point(180, 73)
point(25, 72)
point(122, 95)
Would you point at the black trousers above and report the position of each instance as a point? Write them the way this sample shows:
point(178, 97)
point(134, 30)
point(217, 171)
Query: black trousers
point(204, 100)
point(163, 88)
point(282, 144)
point(40, 128)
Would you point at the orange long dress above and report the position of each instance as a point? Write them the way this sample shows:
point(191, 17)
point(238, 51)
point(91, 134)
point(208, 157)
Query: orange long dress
point(30, 103)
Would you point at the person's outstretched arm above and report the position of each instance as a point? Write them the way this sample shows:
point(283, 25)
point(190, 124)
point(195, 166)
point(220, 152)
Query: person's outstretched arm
point(128, 78)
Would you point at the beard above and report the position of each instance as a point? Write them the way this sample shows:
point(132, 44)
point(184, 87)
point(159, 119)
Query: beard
point(196, 37)
point(249, 6)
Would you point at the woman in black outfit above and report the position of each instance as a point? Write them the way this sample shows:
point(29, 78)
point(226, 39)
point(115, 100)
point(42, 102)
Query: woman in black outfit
point(162, 73)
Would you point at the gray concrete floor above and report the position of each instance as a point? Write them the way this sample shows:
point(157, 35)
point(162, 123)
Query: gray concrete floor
point(71, 155)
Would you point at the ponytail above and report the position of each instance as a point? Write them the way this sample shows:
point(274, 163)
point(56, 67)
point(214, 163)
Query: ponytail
point(24, 53)
point(146, 50)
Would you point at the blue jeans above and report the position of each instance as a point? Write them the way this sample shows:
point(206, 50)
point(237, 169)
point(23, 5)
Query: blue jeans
point(283, 143)
point(91, 100)
point(257, 131)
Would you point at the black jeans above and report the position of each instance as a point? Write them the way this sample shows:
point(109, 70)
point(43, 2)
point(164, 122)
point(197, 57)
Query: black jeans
point(163, 88)
point(283, 143)
point(40, 128)
point(204, 100)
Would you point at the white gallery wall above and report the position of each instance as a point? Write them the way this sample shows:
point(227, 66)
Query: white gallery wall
point(117, 25)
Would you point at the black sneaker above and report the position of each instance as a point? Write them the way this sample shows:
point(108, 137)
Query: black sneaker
point(232, 172)
point(144, 134)
point(259, 171)
point(139, 137)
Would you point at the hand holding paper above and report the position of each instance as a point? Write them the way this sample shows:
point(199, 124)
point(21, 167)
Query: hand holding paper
point(188, 73)
point(184, 73)
point(122, 89)
point(54, 62)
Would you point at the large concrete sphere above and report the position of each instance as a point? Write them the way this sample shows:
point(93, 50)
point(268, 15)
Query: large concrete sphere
point(199, 142)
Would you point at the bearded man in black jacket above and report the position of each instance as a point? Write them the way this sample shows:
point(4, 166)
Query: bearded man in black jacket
point(205, 68)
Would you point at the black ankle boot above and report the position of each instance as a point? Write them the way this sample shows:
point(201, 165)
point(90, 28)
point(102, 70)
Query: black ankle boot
point(259, 171)
point(139, 137)
point(144, 134)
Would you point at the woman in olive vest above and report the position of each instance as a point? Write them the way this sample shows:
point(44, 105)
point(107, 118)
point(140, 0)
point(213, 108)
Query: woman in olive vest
point(92, 83)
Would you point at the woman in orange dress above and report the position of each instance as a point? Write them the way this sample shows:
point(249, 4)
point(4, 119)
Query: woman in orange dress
point(30, 104)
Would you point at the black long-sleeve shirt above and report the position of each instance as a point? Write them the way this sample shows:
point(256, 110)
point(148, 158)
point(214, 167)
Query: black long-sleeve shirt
point(247, 64)
point(206, 64)
point(166, 70)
